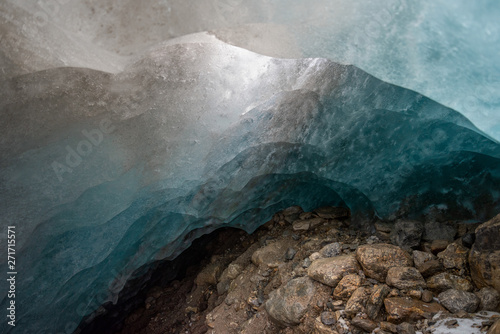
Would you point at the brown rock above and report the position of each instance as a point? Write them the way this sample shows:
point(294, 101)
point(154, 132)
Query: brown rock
point(407, 309)
point(427, 296)
point(430, 268)
point(365, 324)
point(419, 258)
point(209, 274)
point(377, 259)
point(330, 270)
point(495, 328)
point(445, 281)
point(388, 327)
point(405, 328)
point(484, 257)
point(376, 300)
point(357, 301)
point(454, 256)
point(489, 299)
point(304, 225)
point(347, 286)
point(437, 246)
point(271, 255)
point(405, 278)
point(457, 300)
point(320, 328)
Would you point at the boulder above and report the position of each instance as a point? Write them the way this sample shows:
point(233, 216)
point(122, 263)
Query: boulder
point(437, 246)
point(407, 233)
point(408, 309)
point(347, 285)
point(288, 304)
point(405, 278)
point(457, 300)
point(330, 270)
point(489, 299)
point(446, 281)
point(484, 258)
point(426, 263)
point(377, 259)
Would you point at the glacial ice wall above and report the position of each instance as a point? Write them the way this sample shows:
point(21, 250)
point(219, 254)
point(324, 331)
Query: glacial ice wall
point(127, 131)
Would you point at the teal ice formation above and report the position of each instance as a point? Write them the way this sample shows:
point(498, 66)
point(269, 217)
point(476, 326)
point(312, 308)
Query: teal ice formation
point(123, 139)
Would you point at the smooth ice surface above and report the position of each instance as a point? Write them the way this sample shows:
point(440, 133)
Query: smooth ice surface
point(128, 128)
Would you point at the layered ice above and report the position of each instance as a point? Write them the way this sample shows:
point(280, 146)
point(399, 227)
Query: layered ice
point(127, 132)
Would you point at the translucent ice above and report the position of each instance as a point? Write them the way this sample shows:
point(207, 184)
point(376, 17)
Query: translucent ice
point(124, 139)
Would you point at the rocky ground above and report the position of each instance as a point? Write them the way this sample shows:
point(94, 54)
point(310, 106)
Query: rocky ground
point(308, 272)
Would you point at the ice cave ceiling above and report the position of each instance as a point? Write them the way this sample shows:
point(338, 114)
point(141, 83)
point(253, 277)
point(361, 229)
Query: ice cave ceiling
point(129, 128)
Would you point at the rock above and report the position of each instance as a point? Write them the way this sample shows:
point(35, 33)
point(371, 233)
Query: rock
point(305, 225)
point(331, 250)
point(365, 324)
point(271, 255)
point(315, 256)
point(328, 318)
point(489, 299)
point(484, 256)
point(495, 328)
point(329, 212)
point(320, 328)
point(357, 301)
point(454, 256)
point(209, 274)
point(388, 327)
point(430, 268)
point(290, 254)
point(457, 300)
point(408, 309)
point(439, 231)
point(446, 281)
point(330, 270)
point(437, 246)
point(419, 258)
point(233, 270)
point(427, 296)
point(347, 285)
point(374, 303)
point(405, 278)
point(468, 240)
point(376, 260)
point(407, 233)
point(306, 263)
point(417, 294)
point(288, 304)
point(292, 213)
point(405, 328)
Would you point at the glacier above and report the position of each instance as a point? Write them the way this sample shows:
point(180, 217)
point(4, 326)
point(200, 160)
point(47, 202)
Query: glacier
point(125, 139)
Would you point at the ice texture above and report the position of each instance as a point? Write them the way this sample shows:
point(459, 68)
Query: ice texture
point(130, 128)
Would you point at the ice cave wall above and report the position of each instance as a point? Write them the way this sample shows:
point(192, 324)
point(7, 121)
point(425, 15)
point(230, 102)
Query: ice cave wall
point(118, 147)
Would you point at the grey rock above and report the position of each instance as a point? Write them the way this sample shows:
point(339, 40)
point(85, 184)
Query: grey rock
point(405, 278)
point(419, 258)
point(489, 299)
point(407, 233)
point(468, 240)
point(331, 250)
point(288, 304)
point(427, 296)
point(405, 328)
point(290, 254)
point(328, 318)
point(330, 212)
point(439, 231)
point(457, 300)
